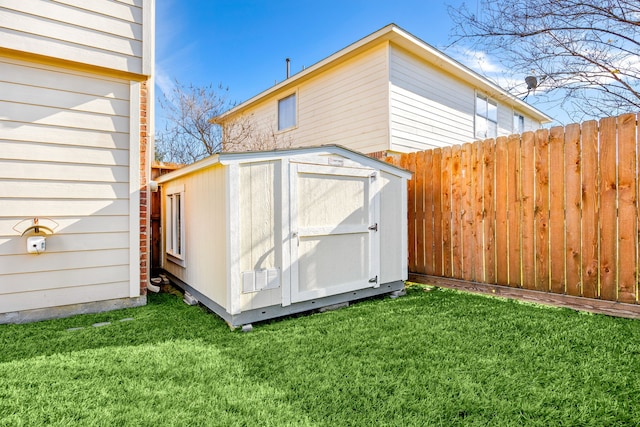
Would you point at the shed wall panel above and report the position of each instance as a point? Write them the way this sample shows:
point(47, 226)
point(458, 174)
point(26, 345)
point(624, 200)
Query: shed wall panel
point(205, 226)
point(260, 239)
point(391, 232)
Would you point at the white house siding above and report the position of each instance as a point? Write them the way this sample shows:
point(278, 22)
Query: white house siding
point(432, 109)
point(205, 261)
point(64, 155)
point(104, 33)
point(428, 108)
point(531, 124)
point(346, 105)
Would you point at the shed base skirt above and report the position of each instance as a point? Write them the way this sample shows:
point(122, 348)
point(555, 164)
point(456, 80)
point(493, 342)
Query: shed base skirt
point(275, 311)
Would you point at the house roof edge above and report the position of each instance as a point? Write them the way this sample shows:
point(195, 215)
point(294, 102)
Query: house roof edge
point(397, 35)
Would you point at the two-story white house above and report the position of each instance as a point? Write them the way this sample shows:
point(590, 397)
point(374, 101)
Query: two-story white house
point(75, 115)
point(388, 92)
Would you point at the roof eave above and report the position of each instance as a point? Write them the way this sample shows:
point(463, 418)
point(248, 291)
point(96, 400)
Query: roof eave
point(338, 57)
point(392, 33)
point(227, 158)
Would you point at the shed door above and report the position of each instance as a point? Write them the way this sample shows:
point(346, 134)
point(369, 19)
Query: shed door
point(334, 222)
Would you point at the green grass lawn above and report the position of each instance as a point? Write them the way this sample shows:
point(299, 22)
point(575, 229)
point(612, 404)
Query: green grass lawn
point(430, 358)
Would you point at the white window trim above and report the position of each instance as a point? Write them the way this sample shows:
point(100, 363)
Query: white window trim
point(297, 117)
point(524, 123)
point(488, 100)
point(177, 257)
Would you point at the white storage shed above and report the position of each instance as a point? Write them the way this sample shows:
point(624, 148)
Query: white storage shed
point(259, 235)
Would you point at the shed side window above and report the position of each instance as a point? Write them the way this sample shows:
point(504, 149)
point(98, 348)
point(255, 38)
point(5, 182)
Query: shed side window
point(287, 112)
point(486, 117)
point(175, 224)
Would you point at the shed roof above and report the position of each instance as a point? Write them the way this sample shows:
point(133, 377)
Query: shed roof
point(395, 34)
point(256, 156)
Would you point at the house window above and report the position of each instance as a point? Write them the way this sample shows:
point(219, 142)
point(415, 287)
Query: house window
point(518, 123)
point(287, 112)
point(486, 117)
point(175, 224)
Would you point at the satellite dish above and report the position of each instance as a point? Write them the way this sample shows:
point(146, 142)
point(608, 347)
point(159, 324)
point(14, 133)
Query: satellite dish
point(531, 82)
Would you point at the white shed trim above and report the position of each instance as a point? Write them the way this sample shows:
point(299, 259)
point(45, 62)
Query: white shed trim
point(229, 158)
point(286, 217)
point(233, 239)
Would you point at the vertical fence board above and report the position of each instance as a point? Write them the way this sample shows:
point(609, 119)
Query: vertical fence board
point(627, 212)
point(408, 162)
point(542, 210)
point(502, 243)
point(489, 211)
point(447, 269)
point(456, 210)
point(573, 196)
point(637, 287)
point(436, 179)
point(478, 217)
point(528, 255)
point(420, 208)
point(428, 212)
point(513, 210)
point(590, 210)
point(608, 216)
point(467, 212)
point(556, 210)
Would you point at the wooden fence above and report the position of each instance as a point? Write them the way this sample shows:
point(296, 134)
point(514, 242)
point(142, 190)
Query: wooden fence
point(554, 210)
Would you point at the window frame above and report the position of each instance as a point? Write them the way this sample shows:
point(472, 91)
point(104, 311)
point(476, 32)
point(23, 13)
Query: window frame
point(175, 225)
point(485, 117)
point(293, 95)
point(521, 122)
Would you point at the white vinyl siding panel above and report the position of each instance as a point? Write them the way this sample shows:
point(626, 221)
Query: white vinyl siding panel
point(204, 233)
point(64, 156)
point(61, 296)
point(505, 120)
point(345, 105)
point(104, 33)
point(531, 124)
point(428, 107)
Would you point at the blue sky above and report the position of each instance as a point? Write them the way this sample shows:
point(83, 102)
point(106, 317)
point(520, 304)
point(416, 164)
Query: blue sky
point(243, 44)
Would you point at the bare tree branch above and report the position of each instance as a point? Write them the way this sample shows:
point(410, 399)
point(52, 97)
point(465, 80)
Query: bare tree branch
point(585, 53)
point(189, 134)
